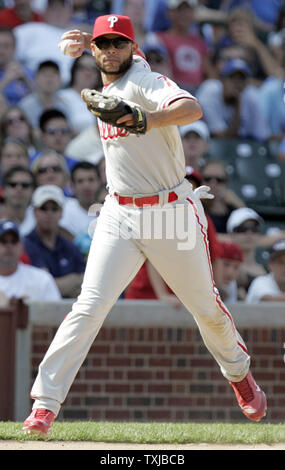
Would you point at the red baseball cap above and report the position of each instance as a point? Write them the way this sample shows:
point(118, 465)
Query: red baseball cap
point(231, 251)
point(113, 24)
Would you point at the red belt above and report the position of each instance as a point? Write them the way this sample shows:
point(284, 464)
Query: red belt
point(143, 201)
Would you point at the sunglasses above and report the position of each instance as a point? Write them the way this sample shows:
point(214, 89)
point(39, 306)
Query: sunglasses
point(218, 179)
point(11, 241)
point(22, 184)
point(49, 208)
point(46, 169)
point(247, 228)
point(155, 59)
point(104, 43)
point(12, 120)
point(59, 130)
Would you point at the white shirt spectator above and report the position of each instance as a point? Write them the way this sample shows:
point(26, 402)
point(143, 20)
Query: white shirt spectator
point(261, 286)
point(231, 292)
point(30, 282)
point(75, 108)
point(86, 146)
point(75, 218)
point(37, 42)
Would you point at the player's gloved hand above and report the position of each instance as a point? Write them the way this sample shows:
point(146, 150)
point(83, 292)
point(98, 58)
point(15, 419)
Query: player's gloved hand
point(202, 192)
point(111, 108)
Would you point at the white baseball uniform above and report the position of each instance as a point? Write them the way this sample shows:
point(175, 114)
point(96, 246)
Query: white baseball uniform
point(151, 165)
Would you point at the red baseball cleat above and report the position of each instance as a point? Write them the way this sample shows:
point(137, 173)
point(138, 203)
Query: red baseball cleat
point(250, 398)
point(39, 422)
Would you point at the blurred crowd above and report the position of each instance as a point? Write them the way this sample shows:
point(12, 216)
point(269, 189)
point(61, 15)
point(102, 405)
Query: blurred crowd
point(230, 54)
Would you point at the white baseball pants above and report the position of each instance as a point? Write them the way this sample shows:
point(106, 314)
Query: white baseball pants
point(112, 263)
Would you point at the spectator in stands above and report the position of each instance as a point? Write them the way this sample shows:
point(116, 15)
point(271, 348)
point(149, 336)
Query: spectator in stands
point(21, 12)
point(276, 38)
point(158, 58)
point(13, 153)
point(242, 32)
point(14, 123)
point(50, 168)
point(265, 13)
point(56, 133)
point(84, 12)
point(195, 140)
point(214, 174)
point(272, 95)
point(135, 9)
point(231, 52)
point(188, 52)
point(272, 101)
point(244, 227)
point(84, 74)
point(47, 249)
point(86, 145)
point(16, 81)
point(270, 287)
point(17, 279)
point(86, 184)
point(43, 38)
point(46, 95)
point(17, 188)
point(231, 258)
point(231, 106)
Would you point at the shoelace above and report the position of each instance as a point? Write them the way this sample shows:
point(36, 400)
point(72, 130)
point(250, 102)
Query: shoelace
point(41, 413)
point(245, 390)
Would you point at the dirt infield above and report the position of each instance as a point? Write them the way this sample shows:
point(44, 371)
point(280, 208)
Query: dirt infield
point(50, 445)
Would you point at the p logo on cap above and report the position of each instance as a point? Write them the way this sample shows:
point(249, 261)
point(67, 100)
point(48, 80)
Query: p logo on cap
point(113, 24)
point(112, 20)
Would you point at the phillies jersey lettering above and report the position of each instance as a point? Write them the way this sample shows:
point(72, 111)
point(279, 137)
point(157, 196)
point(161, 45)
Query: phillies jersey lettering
point(107, 131)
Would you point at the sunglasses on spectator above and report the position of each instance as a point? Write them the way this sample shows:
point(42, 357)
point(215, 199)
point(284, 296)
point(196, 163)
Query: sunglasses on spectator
point(247, 228)
point(9, 241)
point(49, 208)
point(46, 169)
point(104, 43)
point(218, 179)
point(12, 120)
point(155, 60)
point(22, 184)
point(57, 130)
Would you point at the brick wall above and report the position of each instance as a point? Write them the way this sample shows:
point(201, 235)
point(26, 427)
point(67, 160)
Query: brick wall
point(165, 374)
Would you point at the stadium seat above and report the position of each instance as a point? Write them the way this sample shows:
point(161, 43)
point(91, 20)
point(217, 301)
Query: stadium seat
point(255, 173)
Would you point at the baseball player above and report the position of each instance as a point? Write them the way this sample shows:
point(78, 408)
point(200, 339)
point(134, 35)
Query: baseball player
point(145, 170)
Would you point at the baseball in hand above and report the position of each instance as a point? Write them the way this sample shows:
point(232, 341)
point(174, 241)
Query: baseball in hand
point(69, 46)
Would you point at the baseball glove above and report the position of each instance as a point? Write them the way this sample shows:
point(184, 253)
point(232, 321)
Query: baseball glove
point(110, 108)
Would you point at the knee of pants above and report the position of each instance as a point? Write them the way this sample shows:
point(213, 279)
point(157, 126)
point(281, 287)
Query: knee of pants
point(93, 306)
point(209, 308)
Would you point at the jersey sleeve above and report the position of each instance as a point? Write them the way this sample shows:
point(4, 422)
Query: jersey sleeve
point(158, 91)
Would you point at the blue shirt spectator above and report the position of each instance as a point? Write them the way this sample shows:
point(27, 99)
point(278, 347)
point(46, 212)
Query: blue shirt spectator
point(47, 248)
point(272, 101)
point(64, 258)
point(231, 106)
